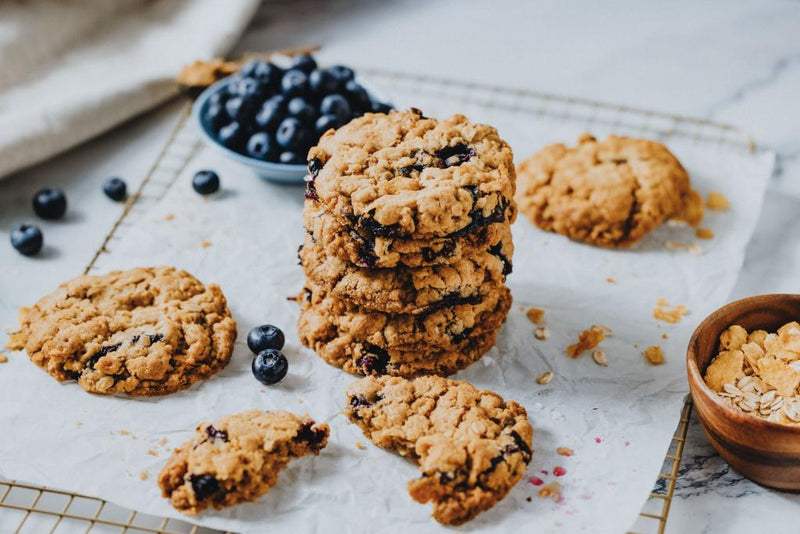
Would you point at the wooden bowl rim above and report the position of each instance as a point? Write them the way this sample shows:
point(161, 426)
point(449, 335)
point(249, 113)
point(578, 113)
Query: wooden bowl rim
point(697, 384)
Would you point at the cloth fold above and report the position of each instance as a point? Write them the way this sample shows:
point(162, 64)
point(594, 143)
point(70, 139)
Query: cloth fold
point(74, 69)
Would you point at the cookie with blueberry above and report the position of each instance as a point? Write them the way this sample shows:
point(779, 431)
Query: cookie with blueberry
point(417, 291)
point(471, 445)
point(366, 250)
point(404, 175)
point(142, 332)
point(237, 458)
point(451, 328)
point(607, 193)
point(318, 332)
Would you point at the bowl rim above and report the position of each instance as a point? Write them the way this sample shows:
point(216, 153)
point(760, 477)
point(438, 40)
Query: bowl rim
point(698, 385)
point(197, 107)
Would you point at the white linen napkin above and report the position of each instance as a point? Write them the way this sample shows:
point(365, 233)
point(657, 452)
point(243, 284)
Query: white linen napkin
point(72, 69)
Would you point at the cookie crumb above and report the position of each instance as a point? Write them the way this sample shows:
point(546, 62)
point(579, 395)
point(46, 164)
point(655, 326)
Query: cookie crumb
point(654, 354)
point(611, 280)
point(704, 233)
point(162, 441)
point(205, 244)
point(717, 201)
point(541, 333)
point(3, 358)
point(143, 475)
point(551, 491)
point(535, 315)
point(169, 217)
point(545, 378)
point(565, 451)
point(664, 336)
point(124, 432)
point(78, 424)
point(672, 316)
point(529, 499)
point(587, 340)
point(152, 452)
point(599, 358)
point(360, 446)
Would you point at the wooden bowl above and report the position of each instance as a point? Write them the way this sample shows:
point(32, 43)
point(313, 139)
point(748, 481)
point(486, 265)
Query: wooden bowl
point(765, 452)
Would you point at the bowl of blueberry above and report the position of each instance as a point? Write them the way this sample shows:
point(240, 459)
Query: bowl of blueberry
point(269, 114)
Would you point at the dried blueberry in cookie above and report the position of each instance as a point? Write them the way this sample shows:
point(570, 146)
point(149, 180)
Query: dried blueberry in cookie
point(265, 337)
point(471, 445)
point(238, 458)
point(270, 366)
point(50, 203)
point(27, 239)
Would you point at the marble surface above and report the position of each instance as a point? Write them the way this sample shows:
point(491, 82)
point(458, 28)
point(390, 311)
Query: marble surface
point(735, 62)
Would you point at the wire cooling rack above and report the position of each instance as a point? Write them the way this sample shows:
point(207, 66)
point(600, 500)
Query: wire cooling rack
point(26, 508)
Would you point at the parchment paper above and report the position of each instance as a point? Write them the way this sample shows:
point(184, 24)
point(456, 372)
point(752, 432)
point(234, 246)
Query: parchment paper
point(618, 419)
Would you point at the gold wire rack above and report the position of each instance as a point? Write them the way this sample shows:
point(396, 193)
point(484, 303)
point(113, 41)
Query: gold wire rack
point(29, 508)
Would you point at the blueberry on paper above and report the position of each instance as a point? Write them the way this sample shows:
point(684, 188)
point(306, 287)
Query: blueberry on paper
point(115, 189)
point(205, 182)
point(50, 203)
point(270, 366)
point(265, 337)
point(27, 239)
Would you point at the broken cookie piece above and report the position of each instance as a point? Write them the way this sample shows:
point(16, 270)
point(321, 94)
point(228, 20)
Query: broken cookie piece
point(471, 446)
point(237, 458)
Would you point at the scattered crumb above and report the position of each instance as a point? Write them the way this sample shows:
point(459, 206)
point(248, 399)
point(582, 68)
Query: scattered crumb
point(162, 441)
point(169, 217)
point(599, 358)
point(124, 432)
point(529, 499)
point(360, 446)
point(205, 244)
point(78, 424)
point(545, 378)
point(587, 340)
point(704, 233)
point(152, 452)
point(565, 451)
point(664, 336)
point(672, 316)
point(535, 315)
point(551, 491)
point(143, 475)
point(559, 471)
point(654, 354)
point(3, 358)
point(541, 333)
point(717, 202)
point(611, 280)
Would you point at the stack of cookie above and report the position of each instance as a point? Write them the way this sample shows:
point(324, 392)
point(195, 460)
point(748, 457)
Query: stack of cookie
point(407, 244)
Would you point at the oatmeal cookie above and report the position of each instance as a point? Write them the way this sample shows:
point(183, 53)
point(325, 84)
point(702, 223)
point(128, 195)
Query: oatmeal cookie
point(403, 175)
point(472, 447)
point(416, 291)
point(447, 328)
point(146, 331)
point(366, 250)
point(237, 459)
point(609, 193)
point(318, 332)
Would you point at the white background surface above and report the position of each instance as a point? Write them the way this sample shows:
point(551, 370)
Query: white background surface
point(735, 62)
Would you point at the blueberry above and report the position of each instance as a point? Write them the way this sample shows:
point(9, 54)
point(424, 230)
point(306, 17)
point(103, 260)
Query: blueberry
point(239, 108)
point(341, 74)
point(204, 486)
point(291, 134)
point(322, 82)
point(325, 123)
point(217, 98)
point(294, 83)
point(357, 96)
point(27, 239)
point(290, 158)
point(300, 108)
point(267, 74)
point(231, 135)
point(259, 146)
point(50, 203)
point(337, 106)
point(115, 189)
point(304, 63)
point(265, 337)
point(215, 116)
point(381, 107)
point(271, 113)
point(205, 182)
point(270, 366)
point(244, 87)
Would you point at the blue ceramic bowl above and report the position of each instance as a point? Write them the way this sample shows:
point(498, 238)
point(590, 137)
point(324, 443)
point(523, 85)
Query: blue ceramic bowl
point(275, 172)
